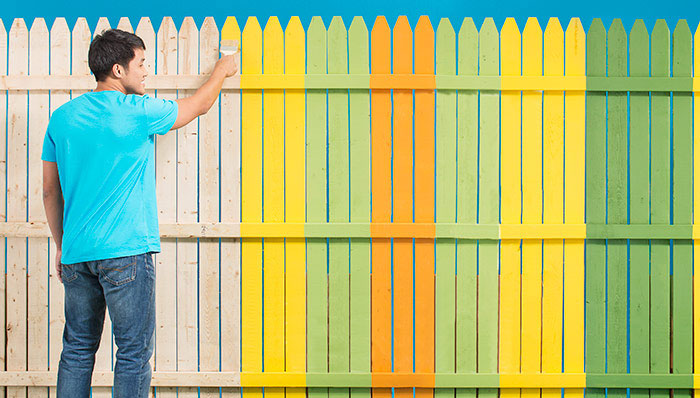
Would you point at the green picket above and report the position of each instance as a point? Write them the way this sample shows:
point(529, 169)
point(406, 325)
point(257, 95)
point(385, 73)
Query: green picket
point(617, 209)
point(338, 209)
point(595, 207)
point(316, 249)
point(660, 184)
point(682, 209)
point(489, 204)
point(445, 187)
point(467, 172)
point(639, 208)
point(360, 307)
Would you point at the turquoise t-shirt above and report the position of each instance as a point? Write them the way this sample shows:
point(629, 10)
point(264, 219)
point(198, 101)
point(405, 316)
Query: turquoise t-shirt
point(103, 145)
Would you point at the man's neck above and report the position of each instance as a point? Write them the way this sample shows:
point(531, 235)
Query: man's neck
point(109, 85)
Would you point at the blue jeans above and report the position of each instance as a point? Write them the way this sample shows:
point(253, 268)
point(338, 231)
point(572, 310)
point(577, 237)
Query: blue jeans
point(125, 285)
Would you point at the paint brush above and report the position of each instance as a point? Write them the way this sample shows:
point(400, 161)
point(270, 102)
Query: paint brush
point(228, 47)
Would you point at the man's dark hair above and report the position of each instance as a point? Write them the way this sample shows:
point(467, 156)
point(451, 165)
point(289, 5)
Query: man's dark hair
point(113, 46)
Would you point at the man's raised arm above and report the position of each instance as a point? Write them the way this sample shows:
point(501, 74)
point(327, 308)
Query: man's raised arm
point(205, 96)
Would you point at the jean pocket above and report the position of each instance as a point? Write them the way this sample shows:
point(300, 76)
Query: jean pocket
point(118, 271)
point(68, 273)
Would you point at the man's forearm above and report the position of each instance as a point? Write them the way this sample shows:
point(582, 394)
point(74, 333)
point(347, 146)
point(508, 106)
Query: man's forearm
point(53, 204)
point(210, 90)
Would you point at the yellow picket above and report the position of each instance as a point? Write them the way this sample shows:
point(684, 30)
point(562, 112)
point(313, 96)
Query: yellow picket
point(251, 208)
point(295, 203)
point(553, 188)
point(532, 207)
point(574, 125)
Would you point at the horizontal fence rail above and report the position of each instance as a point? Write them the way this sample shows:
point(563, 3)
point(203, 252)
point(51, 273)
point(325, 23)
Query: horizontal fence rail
point(396, 211)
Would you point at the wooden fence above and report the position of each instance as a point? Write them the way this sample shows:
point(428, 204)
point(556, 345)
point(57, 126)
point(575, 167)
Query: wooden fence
point(337, 229)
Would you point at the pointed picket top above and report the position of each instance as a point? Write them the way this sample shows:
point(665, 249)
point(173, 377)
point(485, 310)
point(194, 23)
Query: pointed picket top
point(682, 49)
point(18, 46)
point(251, 47)
point(424, 46)
point(445, 48)
point(553, 48)
point(358, 40)
point(60, 47)
point(18, 26)
point(696, 52)
point(273, 44)
point(166, 57)
point(125, 25)
point(39, 48)
point(38, 26)
point(188, 47)
point(532, 48)
point(3, 48)
point(403, 46)
point(468, 48)
point(294, 48)
point(595, 49)
point(510, 48)
point(231, 30)
point(102, 25)
point(381, 46)
point(337, 46)
point(617, 49)
point(144, 30)
point(488, 48)
point(208, 45)
point(639, 30)
point(316, 46)
point(145, 27)
point(660, 49)
point(80, 44)
point(639, 49)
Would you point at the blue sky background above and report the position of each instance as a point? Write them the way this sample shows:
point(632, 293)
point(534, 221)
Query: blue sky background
point(456, 10)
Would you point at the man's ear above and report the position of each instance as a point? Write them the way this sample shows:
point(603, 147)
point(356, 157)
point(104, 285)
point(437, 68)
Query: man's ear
point(117, 71)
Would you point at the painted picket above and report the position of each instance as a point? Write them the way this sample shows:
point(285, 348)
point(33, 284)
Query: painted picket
point(466, 344)
point(316, 205)
point(659, 311)
point(639, 207)
point(338, 210)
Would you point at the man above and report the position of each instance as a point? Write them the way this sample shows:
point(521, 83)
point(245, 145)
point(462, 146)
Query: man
point(98, 157)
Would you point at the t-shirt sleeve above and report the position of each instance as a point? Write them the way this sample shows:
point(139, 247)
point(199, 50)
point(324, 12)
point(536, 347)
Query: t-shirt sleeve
point(160, 114)
point(48, 151)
